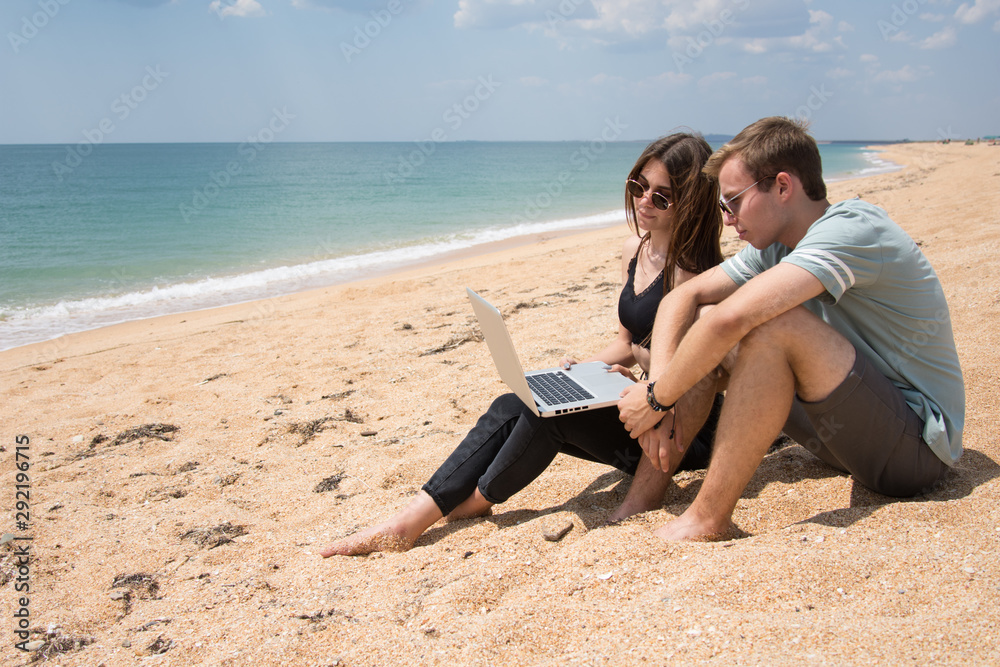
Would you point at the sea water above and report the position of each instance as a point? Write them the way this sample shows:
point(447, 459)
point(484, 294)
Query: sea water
point(92, 235)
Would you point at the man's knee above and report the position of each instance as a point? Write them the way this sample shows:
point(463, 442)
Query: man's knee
point(790, 324)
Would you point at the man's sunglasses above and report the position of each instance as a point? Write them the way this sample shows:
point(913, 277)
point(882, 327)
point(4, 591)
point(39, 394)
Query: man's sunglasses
point(725, 204)
point(638, 190)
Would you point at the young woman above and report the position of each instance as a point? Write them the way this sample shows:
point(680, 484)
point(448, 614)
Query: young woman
point(674, 211)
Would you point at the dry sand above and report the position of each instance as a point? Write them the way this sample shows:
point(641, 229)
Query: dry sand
point(198, 545)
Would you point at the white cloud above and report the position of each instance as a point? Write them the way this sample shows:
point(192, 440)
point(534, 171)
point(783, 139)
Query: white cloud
point(905, 74)
point(146, 3)
point(656, 85)
point(940, 40)
point(810, 40)
point(613, 22)
point(715, 78)
point(839, 73)
point(607, 79)
point(815, 36)
point(356, 6)
point(237, 8)
point(502, 14)
point(755, 81)
point(933, 18)
point(868, 58)
point(819, 16)
point(669, 78)
point(976, 12)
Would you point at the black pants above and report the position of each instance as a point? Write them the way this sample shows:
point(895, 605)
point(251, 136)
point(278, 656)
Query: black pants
point(509, 447)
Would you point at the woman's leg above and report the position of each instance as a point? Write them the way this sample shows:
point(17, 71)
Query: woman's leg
point(502, 429)
point(451, 487)
point(594, 435)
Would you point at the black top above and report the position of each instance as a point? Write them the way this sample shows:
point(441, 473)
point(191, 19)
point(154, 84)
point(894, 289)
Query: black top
point(638, 312)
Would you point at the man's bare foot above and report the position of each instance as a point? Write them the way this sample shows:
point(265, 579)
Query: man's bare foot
point(690, 529)
point(383, 537)
point(472, 507)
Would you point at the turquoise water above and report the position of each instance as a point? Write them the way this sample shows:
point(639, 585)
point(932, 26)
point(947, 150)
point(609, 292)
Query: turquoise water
point(94, 235)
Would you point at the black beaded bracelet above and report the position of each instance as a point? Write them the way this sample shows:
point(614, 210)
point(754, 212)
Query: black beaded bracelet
point(653, 403)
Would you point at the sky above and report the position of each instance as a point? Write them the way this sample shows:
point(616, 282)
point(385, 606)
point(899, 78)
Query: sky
point(111, 71)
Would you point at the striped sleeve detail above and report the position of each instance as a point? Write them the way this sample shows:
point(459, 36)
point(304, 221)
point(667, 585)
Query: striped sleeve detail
point(737, 263)
point(832, 263)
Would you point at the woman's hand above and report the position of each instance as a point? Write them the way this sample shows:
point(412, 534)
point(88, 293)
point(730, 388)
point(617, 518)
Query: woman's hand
point(627, 372)
point(566, 362)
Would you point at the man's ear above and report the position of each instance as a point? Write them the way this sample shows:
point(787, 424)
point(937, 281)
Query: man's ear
point(785, 183)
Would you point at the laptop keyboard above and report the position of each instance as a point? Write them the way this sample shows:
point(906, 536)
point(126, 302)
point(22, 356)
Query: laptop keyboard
point(555, 388)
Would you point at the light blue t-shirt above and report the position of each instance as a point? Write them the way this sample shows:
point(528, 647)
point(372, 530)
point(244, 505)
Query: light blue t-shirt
point(883, 296)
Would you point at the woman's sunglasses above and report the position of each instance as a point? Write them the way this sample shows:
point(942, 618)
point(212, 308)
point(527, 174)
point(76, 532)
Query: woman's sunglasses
point(638, 190)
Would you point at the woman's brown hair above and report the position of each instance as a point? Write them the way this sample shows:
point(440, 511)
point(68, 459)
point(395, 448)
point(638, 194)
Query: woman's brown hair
point(694, 240)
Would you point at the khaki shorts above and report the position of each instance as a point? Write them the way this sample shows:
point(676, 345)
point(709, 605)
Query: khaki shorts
point(866, 428)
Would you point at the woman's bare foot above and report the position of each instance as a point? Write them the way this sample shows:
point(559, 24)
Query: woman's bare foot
point(397, 534)
point(644, 494)
point(472, 507)
point(384, 537)
point(636, 504)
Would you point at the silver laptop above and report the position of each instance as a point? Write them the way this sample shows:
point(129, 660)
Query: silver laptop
point(549, 392)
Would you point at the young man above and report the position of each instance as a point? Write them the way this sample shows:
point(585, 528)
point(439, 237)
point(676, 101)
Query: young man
point(833, 327)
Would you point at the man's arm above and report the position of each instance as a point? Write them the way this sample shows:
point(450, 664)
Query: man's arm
point(679, 309)
point(693, 355)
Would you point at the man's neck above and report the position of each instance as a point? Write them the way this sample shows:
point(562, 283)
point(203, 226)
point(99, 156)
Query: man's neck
point(802, 220)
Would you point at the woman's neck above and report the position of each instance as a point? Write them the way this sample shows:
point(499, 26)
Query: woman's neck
point(657, 247)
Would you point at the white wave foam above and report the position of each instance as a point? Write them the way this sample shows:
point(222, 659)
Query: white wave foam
point(876, 165)
point(46, 322)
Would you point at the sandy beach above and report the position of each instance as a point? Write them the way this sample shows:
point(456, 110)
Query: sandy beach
point(185, 471)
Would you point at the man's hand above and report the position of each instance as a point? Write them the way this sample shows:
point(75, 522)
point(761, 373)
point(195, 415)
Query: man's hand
point(634, 411)
point(663, 442)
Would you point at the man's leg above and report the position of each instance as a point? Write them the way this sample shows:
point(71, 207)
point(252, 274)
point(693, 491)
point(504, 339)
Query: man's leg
point(866, 428)
point(795, 353)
